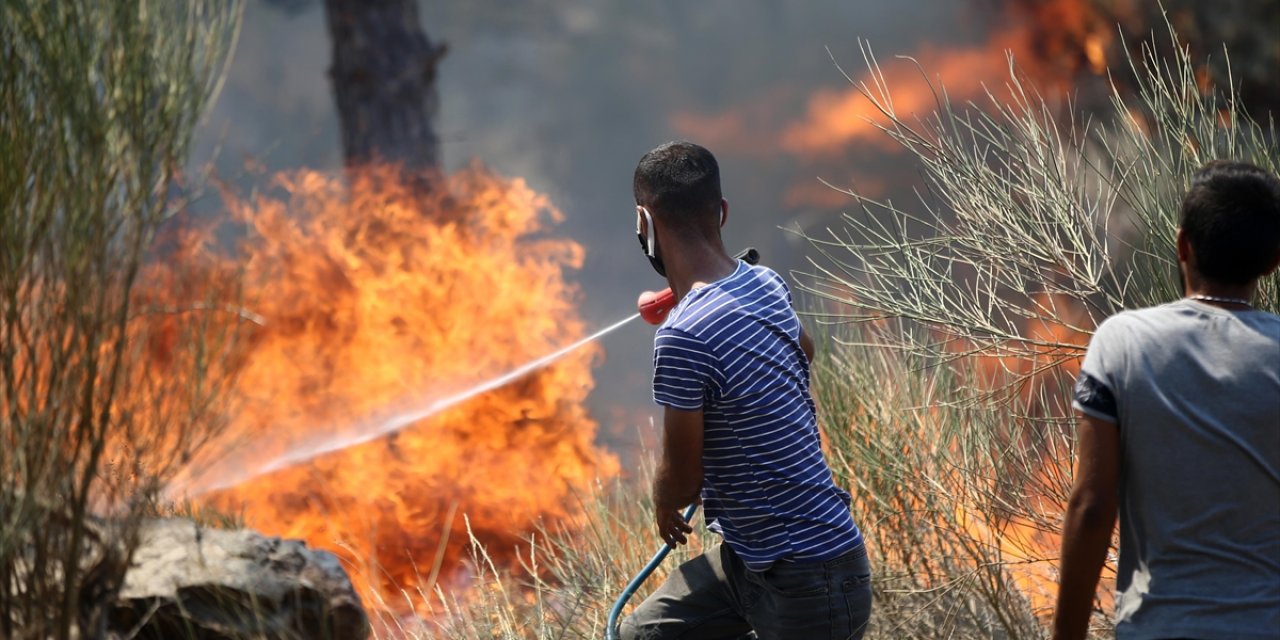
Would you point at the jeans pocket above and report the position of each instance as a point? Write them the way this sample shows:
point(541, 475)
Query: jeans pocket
point(856, 592)
point(791, 580)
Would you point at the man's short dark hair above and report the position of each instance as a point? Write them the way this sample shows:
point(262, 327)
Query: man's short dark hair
point(1231, 216)
point(679, 181)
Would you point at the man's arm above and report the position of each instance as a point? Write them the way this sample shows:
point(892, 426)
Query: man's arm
point(679, 478)
point(1090, 518)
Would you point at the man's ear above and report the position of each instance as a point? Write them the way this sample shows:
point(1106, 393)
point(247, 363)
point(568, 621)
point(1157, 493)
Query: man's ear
point(724, 211)
point(1184, 247)
point(1275, 264)
point(641, 227)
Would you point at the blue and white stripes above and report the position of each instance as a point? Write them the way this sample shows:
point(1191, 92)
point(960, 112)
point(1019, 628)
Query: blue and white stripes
point(732, 349)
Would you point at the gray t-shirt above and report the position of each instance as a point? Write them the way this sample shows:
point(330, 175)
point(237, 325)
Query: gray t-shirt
point(1196, 396)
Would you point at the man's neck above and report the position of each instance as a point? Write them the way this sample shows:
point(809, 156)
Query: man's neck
point(1227, 296)
point(695, 265)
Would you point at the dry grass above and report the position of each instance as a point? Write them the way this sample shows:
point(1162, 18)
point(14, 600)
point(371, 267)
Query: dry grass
point(960, 503)
point(570, 578)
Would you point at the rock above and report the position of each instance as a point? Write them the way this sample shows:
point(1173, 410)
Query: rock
point(212, 584)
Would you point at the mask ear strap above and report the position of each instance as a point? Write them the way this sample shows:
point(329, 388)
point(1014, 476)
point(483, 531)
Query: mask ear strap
point(646, 225)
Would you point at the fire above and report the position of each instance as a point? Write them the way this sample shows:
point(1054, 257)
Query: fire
point(1050, 42)
point(1052, 346)
point(837, 119)
point(1065, 36)
point(375, 302)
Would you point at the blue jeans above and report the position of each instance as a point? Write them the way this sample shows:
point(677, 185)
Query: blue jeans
point(715, 596)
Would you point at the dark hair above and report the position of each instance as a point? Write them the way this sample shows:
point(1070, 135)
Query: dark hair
point(679, 181)
point(1231, 216)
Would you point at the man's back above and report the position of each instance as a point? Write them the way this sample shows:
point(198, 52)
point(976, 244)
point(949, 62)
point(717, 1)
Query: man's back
point(1197, 397)
point(732, 349)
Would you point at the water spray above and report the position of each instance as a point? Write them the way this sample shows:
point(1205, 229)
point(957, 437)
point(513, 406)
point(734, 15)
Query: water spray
point(400, 421)
point(653, 307)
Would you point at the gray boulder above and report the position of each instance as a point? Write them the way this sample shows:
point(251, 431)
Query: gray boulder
point(211, 584)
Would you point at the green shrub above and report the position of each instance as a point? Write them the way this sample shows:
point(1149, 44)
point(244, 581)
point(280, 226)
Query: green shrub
point(102, 392)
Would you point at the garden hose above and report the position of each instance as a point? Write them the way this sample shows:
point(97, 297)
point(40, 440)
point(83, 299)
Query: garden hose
point(611, 627)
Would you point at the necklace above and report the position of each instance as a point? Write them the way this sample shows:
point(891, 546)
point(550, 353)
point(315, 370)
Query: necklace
point(1221, 300)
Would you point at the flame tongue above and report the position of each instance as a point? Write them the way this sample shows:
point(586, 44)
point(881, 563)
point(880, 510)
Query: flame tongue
point(372, 307)
point(1053, 43)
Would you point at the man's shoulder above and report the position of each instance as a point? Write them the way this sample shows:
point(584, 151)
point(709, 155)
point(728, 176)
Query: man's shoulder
point(703, 318)
point(754, 286)
point(1120, 322)
point(1146, 314)
point(1175, 316)
point(1131, 321)
point(1177, 326)
point(726, 302)
point(1129, 330)
point(762, 273)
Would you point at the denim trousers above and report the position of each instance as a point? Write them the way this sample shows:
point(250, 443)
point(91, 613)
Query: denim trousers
point(715, 596)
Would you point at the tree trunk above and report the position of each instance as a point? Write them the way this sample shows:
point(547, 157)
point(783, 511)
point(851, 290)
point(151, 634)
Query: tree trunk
point(384, 72)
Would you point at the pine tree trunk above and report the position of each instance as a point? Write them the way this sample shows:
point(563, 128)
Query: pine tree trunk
point(383, 73)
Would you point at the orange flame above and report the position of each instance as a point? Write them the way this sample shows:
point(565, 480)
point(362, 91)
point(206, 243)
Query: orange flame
point(837, 119)
point(1051, 42)
point(375, 303)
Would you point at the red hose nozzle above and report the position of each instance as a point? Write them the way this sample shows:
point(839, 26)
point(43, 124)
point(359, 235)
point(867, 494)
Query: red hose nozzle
point(655, 305)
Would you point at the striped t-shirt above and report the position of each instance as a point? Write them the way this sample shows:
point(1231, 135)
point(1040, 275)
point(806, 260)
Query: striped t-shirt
point(732, 349)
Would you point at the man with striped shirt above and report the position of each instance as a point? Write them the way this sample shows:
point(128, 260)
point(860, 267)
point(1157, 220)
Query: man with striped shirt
point(731, 369)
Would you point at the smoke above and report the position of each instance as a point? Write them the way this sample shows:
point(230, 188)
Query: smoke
point(568, 95)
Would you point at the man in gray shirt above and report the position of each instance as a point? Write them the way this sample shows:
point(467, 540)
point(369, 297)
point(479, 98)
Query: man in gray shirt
point(1179, 432)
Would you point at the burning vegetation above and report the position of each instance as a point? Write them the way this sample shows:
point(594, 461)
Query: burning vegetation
point(373, 305)
point(1070, 52)
point(373, 296)
point(1053, 43)
point(362, 303)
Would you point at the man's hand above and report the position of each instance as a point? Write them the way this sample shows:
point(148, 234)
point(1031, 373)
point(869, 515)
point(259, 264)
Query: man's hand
point(672, 527)
point(678, 481)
